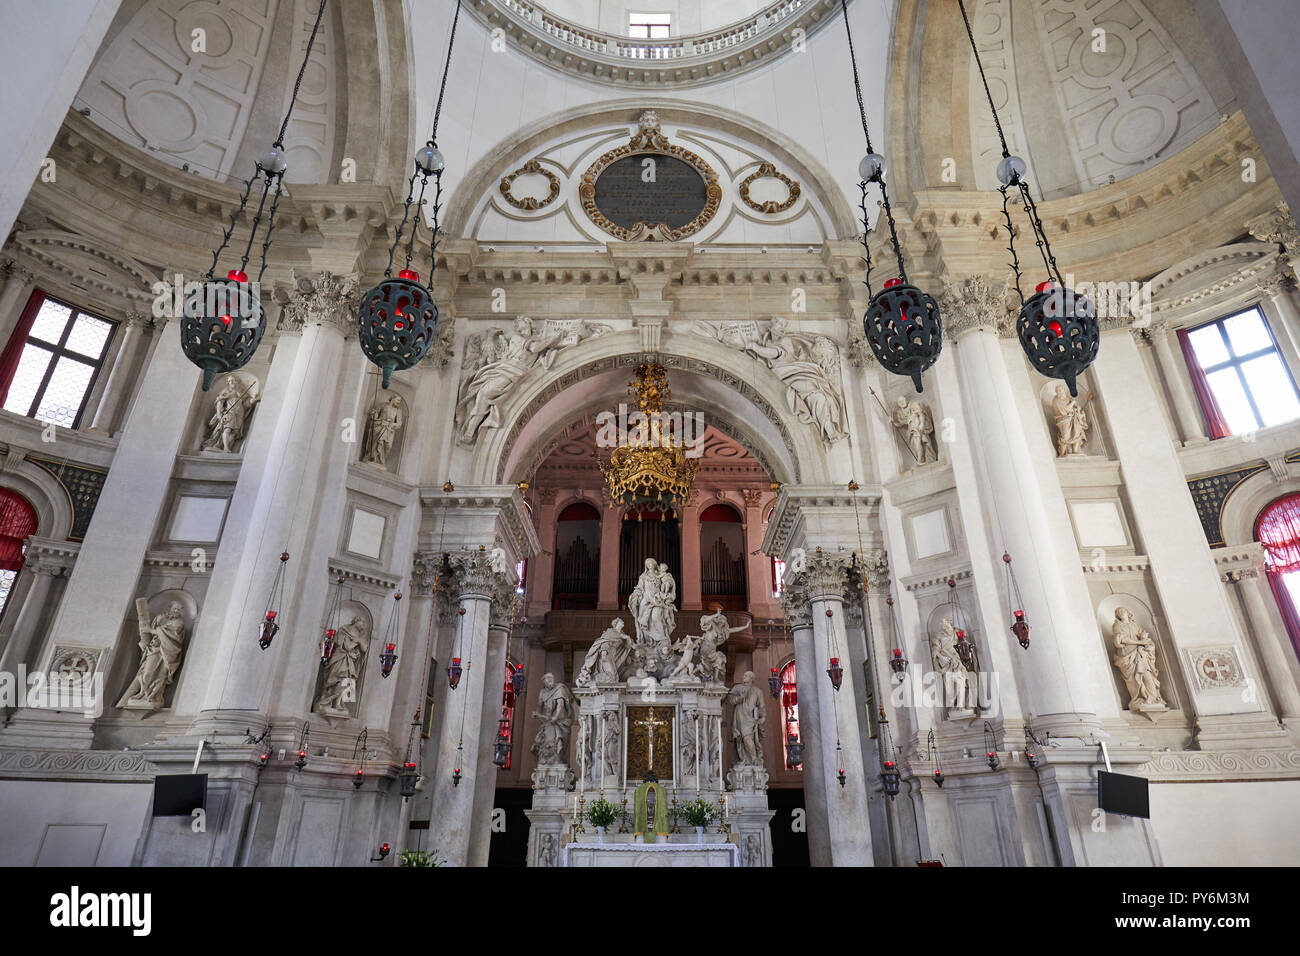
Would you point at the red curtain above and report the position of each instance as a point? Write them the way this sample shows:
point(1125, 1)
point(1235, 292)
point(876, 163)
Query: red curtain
point(1215, 423)
point(1278, 530)
point(17, 521)
point(14, 348)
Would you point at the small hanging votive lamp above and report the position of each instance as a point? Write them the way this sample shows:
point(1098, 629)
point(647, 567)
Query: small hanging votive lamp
point(501, 747)
point(407, 778)
point(898, 663)
point(965, 650)
point(270, 627)
point(835, 672)
point(388, 657)
point(774, 684)
point(454, 672)
point(1019, 623)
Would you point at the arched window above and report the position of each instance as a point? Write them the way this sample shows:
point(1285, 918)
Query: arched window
point(1278, 530)
point(508, 710)
point(576, 581)
point(722, 557)
point(17, 522)
point(790, 713)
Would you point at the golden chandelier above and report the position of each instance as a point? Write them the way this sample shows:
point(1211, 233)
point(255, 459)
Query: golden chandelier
point(649, 469)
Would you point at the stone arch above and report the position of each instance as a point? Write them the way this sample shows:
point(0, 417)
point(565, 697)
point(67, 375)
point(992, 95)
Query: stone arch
point(43, 493)
point(594, 375)
point(1242, 506)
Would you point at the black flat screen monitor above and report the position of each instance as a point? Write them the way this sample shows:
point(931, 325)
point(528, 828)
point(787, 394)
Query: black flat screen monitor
point(1123, 794)
point(179, 794)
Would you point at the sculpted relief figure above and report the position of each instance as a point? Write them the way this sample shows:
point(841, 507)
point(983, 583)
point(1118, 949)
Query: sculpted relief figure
point(1071, 423)
point(713, 661)
point(1135, 657)
point(653, 607)
point(916, 423)
point(606, 658)
point(161, 640)
point(231, 408)
point(382, 426)
point(747, 721)
point(495, 361)
point(808, 365)
point(343, 673)
point(555, 712)
point(959, 690)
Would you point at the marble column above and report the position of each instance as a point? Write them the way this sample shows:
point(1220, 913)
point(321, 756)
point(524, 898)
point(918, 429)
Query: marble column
point(1182, 568)
point(485, 787)
point(462, 730)
point(1272, 644)
point(1173, 368)
point(121, 377)
point(839, 713)
point(102, 586)
point(27, 618)
point(798, 611)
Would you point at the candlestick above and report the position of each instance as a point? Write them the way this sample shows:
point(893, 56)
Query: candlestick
point(623, 826)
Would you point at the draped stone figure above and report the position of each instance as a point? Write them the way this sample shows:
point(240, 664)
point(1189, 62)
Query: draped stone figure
point(713, 661)
point(343, 672)
point(959, 690)
point(1135, 657)
point(653, 609)
point(1071, 424)
point(231, 409)
point(747, 720)
point(161, 640)
point(611, 752)
point(555, 712)
point(607, 656)
point(916, 423)
point(382, 425)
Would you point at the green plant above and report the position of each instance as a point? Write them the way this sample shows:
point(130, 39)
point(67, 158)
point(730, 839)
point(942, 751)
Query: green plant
point(699, 813)
point(418, 858)
point(601, 813)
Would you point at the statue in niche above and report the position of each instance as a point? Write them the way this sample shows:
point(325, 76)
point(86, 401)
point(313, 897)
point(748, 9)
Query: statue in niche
point(161, 640)
point(231, 408)
point(1071, 423)
point(959, 690)
point(607, 656)
point(747, 720)
point(546, 850)
point(343, 672)
point(713, 661)
point(555, 711)
point(916, 423)
point(654, 611)
point(495, 361)
point(753, 851)
point(611, 751)
point(686, 732)
point(1135, 657)
point(382, 426)
point(808, 365)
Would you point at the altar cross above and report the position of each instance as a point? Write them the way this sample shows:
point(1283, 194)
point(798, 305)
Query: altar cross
point(650, 723)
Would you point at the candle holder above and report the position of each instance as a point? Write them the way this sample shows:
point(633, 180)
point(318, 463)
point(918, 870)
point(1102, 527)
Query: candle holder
point(622, 827)
point(582, 811)
point(675, 827)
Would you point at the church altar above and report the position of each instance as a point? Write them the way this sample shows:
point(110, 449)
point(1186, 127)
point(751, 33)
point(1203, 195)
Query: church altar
point(650, 711)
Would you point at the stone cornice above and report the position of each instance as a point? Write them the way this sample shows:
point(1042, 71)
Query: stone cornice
point(794, 499)
point(1212, 765)
point(115, 766)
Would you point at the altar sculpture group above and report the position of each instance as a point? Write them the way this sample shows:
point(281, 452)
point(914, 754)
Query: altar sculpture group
point(648, 657)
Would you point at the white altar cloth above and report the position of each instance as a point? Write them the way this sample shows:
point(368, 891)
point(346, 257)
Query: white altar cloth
point(651, 854)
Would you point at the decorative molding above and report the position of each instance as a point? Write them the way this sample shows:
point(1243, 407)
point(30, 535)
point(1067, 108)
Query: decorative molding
point(532, 167)
point(767, 170)
point(109, 765)
point(321, 299)
point(1185, 766)
point(971, 303)
point(1277, 226)
point(82, 484)
point(1209, 494)
point(1215, 668)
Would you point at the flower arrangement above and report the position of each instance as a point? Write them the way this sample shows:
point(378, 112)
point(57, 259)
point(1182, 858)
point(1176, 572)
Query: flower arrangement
point(601, 813)
point(699, 813)
point(418, 858)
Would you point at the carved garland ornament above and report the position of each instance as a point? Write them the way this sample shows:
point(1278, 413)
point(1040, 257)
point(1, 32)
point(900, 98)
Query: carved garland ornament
point(532, 167)
point(649, 140)
point(768, 171)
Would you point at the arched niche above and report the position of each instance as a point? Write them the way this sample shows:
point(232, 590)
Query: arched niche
point(1146, 618)
point(1242, 507)
point(352, 614)
point(127, 662)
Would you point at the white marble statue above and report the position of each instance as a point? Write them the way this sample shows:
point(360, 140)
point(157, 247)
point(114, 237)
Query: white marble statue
point(798, 562)
point(959, 689)
point(686, 668)
point(612, 753)
point(747, 720)
point(343, 672)
point(231, 408)
point(382, 426)
point(499, 562)
point(1071, 423)
point(495, 361)
point(546, 850)
point(653, 608)
point(916, 423)
point(555, 712)
point(607, 658)
point(1135, 657)
point(713, 661)
point(809, 366)
point(161, 640)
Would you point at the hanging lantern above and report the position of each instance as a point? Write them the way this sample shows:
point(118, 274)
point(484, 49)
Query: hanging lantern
point(1031, 753)
point(270, 627)
point(302, 759)
point(501, 748)
point(793, 749)
point(328, 643)
point(454, 672)
point(889, 777)
point(397, 318)
point(932, 755)
point(455, 773)
point(898, 663)
point(517, 681)
point(327, 646)
point(1057, 327)
point(990, 745)
point(1019, 624)
point(407, 778)
point(358, 779)
point(387, 659)
point(835, 672)
point(965, 650)
point(774, 684)
point(223, 322)
point(840, 775)
point(389, 655)
point(262, 760)
point(1020, 628)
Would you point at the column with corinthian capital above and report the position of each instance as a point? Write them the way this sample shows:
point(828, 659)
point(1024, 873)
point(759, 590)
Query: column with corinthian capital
point(117, 389)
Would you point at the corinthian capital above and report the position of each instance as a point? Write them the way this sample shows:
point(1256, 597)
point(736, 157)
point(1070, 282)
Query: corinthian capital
point(321, 299)
point(877, 569)
point(1277, 226)
point(482, 574)
point(972, 303)
point(795, 600)
point(827, 574)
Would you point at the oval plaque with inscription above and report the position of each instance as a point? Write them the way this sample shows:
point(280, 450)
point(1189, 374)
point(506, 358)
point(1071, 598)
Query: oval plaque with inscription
point(643, 190)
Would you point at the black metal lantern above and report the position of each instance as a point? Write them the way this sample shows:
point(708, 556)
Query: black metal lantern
point(932, 755)
point(270, 627)
point(793, 749)
point(965, 649)
point(358, 779)
point(501, 747)
point(774, 684)
point(889, 777)
point(903, 329)
point(454, 672)
point(1059, 332)
point(898, 663)
point(835, 672)
point(398, 318)
point(388, 657)
point(517, 681)
point(1019, 623)
point(990, 745)
point(407, 778)
point(223, 322)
